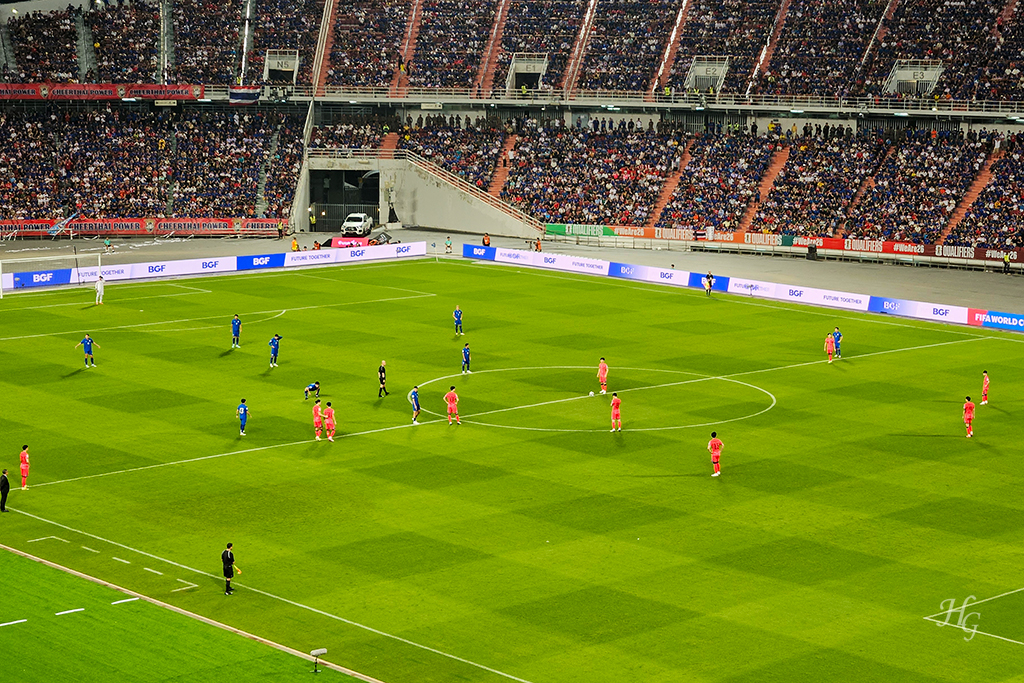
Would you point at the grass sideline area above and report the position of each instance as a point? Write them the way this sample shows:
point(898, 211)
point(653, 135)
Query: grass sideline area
point(528, 544)
point(59, 627)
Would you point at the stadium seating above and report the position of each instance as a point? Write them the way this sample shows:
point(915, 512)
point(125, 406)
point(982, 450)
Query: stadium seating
point(28, 176)
point(452, 38)
point(347, 135)
point(367, 39)
point(997, 217)
point(563, 175)
point(283, 169)
point(285, 25)
point(470, 152)
point(549, 26)
point(126, 44)
point(720, 181)
point(206, 41)
point(45, 45)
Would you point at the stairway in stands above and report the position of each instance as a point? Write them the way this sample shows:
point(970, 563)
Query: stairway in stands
point(660, 79)
point(323, 56)
point(579, 49)
point(669, 188)
point(775, 166)
point(408, 51)
point(762, 65)
point(485, 76)
point(980, 182)
point(1005, 16)
point(390, 142)
point(865, 186)
point(501, 171)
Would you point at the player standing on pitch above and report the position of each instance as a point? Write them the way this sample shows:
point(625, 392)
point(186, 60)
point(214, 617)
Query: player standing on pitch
point(984, 387)
point(830, 346)
point(837, 337)
point(616, 412)
point(329, 423)
point(24, 467)
point(87, 344)
point(414, 399)
point(457, 314)
point(236, 331)
point(243, 416)
point(969, 417)
point(275, 346)
point(602, 376)
point(317, 419)
point(451, 399)
point(715, 448)
point(465, 360)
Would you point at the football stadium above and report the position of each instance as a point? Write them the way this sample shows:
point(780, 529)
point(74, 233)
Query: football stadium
point(535, 341)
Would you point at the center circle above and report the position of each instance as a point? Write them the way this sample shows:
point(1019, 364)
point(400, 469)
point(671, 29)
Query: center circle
point(627, 382)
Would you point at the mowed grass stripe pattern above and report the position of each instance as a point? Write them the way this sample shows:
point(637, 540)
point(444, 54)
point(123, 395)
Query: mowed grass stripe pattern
point(844, 515)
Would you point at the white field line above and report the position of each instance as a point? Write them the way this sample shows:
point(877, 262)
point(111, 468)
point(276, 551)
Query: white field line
point(90, 550)
point(188, 585)
point(976, 602)
point(152, 571)
point(214, 327)
point(12, 623)
point(191, 615)
point(116, 300)
point(973, 630)
point(265, 594)
point(215, 317)
point(121, 602)
point(118, 559)
point(69, 611)
point(44, 538)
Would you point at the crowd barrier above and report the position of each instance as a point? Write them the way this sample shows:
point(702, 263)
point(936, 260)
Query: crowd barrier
point(224, 264)
point(919, 310)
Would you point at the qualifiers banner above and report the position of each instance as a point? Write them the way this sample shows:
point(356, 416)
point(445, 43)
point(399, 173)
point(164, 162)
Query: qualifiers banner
point(105, 91)
point(995, 319)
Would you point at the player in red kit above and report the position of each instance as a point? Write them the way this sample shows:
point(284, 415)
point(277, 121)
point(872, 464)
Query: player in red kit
point(830, 346)
point(984, 387)
point(715, 447)
point(318, 421)
point(616, 412)
point(969, 417)
point(329, 423)
point(24, 467)
point(452, 401)
point(602, 376)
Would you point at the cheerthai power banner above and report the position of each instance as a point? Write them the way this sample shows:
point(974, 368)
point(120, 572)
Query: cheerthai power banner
point(253, 227)
point(92, 91)
point(760, 289)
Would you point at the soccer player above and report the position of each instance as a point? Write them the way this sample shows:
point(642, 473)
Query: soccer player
point(318, 422)
point(382, 376)
point(243, 416)
point(968, 417)
point(414, 399)
point(457, 314)
point(313, 388)
point(236, 332)
point(465, 360)
point(275, 345)
point(837, 337)
point(329, 423)
point(984, 387)
point(602, 376)
point(616, 413)
point(99, 290)
point(830, 346)
point(452, 400)
point(715, 447)
point(227, 558)
point(24, 467)
point(87, 344)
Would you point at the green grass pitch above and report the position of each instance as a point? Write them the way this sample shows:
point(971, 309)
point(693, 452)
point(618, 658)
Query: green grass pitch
point(528, 544)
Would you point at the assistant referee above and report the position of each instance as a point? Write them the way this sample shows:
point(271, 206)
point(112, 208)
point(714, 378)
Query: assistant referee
point(228, 559)
point(382, 375)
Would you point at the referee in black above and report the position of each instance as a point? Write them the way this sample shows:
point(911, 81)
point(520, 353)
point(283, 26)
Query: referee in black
point(382, 375)
point(228, 559)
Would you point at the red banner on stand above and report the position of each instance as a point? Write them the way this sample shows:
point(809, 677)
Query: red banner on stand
point(93, 91)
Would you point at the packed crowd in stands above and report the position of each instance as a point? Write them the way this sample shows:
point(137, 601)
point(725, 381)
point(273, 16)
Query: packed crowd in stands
point(821, 46)
point(917, 188)
point(283, 169)
point(955, 31)
point(452, 38)
point(627, 44)
point(738, 28)
point(720, 182)
point(45, 45)
point(470, 153)
point(996, 219)
point(206, 41)
point(813, 193)
point(127, 41)
point(575, 175)
point(368, 38)
point(549, 26)
point(1003, 71)
point(28, 177)
point(359, 133)
point(285, 25)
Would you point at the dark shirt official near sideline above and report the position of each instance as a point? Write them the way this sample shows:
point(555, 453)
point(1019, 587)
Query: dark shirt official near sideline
point(5, 488)
point(382, 375)
point(228, 559)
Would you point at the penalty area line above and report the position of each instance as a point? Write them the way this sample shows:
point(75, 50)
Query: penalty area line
point(265, 594)
point(191, 615)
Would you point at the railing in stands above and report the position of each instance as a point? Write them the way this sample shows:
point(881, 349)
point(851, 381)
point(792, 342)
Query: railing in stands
point(431, 168)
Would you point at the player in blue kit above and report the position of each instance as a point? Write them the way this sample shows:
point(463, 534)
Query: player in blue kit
point(457, 314)
point(465, 360)
point(837, 336)
point(414, 399)
point(236, 331)
point(243, 416)
point(87, 344)
point(275, 344)
point(313, 388)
